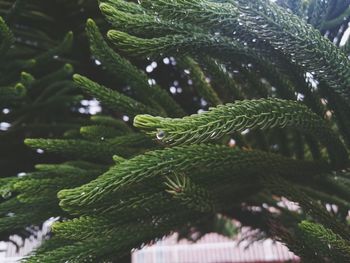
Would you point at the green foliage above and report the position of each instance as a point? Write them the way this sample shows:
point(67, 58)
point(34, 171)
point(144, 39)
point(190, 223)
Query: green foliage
point(301, 43)
point(6, 37)
point(201, 84)
point(324, 241)
point(121, 68)
point(176, 160)
point(112, 99)
point(258, 110)
point(189, 194)
point(250, 114)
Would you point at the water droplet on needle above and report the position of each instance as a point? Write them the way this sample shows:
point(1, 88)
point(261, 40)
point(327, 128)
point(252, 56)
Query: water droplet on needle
point(160, 135)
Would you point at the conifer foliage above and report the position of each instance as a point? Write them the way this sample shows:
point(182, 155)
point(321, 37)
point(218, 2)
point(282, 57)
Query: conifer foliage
point(258, 110)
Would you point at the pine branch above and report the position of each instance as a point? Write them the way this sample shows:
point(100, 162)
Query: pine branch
point(296, 6)
point(189, 194)
point(248, 114)
point(199, 81)
point(85, 227)
point(102, 150)
point(222, 80)
point(134, 190)
point(122, 68)
point(175, 45)
point(137, 23)
point(12, 95)
point(50, 185)
point(111, 122)
point(96, 132)
point(285, 188)
point(92, 227)
point(12, 13)
point(125, 6)
point(335, 22)
point(61, 49)
point(64, 72)
point(112, 99)
point(325, 241)
point(6, 37)
point(6, 187)
point(27, 79)
point(302, 44)
point(335, 184)
point(115, 245)
point(204, 13)
point(8, 206)
point(295, 243)
point(325, 198)
point(180, 159)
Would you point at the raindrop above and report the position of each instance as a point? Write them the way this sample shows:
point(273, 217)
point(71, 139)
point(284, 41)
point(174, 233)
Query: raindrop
point(160, 135)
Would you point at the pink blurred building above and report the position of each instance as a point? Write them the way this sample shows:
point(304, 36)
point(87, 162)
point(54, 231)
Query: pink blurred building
point(213, 248)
